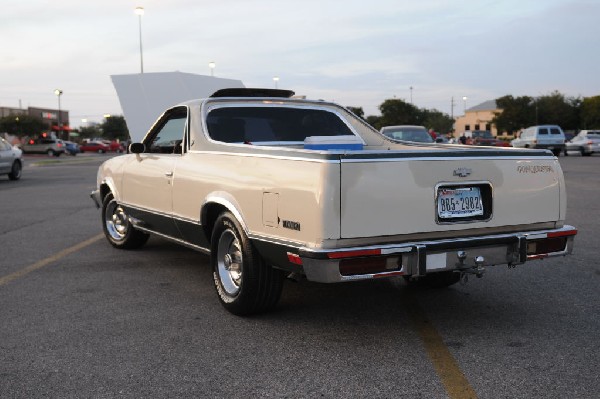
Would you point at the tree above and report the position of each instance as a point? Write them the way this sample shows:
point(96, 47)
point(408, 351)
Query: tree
point(114, 127)
point(89, 132)
point(22, 125)
point(590, 112)
point(358, 111)
point(517, 113)
point(438, 121)
point(399, 112)
point(556, 109)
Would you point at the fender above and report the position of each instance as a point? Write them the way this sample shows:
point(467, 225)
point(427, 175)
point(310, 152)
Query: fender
point(228, 201)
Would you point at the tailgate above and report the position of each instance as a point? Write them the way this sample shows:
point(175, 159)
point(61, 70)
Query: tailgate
point(390, 196)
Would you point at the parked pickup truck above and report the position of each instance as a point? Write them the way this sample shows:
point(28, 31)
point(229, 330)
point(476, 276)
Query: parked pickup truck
point(271, 186)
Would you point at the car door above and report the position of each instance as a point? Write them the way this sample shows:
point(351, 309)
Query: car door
point(148, 177)
point(6, 156)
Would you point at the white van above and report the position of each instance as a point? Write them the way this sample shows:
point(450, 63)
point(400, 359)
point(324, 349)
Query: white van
point(550, 137)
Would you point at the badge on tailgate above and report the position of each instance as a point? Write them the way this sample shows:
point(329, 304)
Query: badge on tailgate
point(463, 202)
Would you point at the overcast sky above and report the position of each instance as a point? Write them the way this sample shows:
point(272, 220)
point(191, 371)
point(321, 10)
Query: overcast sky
point(356, 53)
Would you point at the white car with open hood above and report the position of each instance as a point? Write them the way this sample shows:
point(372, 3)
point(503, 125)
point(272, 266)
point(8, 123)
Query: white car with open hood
point(273, 186)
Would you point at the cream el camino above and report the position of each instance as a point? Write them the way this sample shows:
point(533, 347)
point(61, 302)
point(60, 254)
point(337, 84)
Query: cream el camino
point(271, 186)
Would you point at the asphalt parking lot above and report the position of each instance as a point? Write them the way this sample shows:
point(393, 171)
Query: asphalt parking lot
point(82, 319)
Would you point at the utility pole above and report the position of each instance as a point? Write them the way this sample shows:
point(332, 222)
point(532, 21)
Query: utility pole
point(452, 108)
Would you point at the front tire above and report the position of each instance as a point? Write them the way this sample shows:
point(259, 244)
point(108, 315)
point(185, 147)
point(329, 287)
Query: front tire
point(15, 171)
point(245, 284)
point(117, 228)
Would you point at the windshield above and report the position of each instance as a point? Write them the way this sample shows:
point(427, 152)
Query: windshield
point(408, 134)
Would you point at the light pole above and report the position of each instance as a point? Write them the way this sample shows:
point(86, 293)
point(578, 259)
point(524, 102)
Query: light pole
point(212, 66)
point(276, 79)
point(59, 93)
point(139, 12)
point(465, 104)
point(411, 89)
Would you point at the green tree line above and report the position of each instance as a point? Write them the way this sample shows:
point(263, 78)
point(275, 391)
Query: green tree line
point(570, 113)
point(111, 128)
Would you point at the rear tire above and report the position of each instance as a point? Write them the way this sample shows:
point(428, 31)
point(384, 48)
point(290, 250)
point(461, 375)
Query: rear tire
point(15, 171)
point(245, 284)
point(117, 228)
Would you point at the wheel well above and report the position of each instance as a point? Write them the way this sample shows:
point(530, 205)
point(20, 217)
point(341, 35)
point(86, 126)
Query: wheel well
point(210, 213)
point(104, 190)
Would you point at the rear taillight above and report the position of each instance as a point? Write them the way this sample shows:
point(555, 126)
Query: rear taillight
point(546, 246)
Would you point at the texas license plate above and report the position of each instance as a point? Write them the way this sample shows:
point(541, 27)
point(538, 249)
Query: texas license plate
point(459, 202)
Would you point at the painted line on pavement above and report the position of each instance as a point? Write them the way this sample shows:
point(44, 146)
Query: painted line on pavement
point(456, 384)
point(46, 261)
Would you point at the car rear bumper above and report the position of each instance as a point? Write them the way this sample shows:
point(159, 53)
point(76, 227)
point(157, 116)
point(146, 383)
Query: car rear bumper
point(416, 259)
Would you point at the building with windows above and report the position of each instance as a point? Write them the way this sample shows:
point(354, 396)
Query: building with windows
point(49, 116)
point(478, 117)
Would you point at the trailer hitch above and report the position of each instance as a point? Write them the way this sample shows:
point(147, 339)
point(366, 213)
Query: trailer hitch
point(466, 270)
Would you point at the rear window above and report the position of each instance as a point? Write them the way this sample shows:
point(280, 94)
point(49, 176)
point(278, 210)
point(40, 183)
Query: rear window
point(272, 124)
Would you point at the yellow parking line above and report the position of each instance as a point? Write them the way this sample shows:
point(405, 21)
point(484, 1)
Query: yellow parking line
point(44, 262)
point(456, 384)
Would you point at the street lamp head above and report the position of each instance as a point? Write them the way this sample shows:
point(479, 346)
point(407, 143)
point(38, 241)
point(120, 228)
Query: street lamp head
point(58, 92)
point(139, 11)
point(212, 64)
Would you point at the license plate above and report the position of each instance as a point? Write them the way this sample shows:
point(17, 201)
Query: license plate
point(459, 202)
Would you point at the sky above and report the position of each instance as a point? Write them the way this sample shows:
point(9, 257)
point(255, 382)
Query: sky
point(355, 53)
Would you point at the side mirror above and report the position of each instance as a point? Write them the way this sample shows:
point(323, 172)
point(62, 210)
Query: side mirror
point(137, 148)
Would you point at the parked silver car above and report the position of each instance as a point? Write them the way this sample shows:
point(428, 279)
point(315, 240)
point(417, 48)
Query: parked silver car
point(44, 145)
point(586, 142)
point(11, 160)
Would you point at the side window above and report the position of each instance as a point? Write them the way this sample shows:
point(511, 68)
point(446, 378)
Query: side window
point(543, 130)
point(169, 135)
point(554, 131)
point(467, 127)
point(4, 146)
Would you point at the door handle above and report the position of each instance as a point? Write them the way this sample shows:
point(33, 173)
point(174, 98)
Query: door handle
point(169, 174)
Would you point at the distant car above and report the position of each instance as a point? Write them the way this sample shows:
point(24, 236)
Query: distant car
point(71, 148)
point(484, 137)
point(114, 146)
point(94, 146)
point(550, 137)
point(586, 142)
point(413, 133)
point(11, 160)
point(44, 145)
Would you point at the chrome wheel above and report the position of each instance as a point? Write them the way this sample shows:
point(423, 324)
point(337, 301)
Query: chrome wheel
point(116, 221)
point(229, 262)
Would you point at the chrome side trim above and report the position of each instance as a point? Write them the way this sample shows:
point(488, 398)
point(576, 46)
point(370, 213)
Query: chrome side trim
point(176, 240)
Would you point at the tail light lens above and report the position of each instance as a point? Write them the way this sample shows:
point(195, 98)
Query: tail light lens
point(546, 246)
